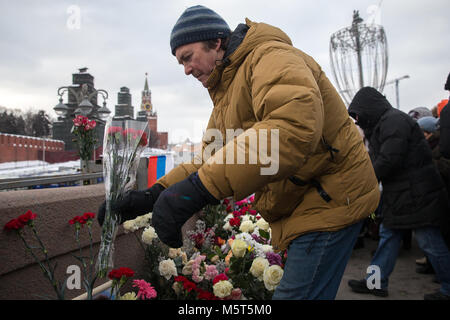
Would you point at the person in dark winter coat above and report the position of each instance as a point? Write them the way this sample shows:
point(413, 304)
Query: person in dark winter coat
point(413, 195)
point(431, 131)
point(444, 115)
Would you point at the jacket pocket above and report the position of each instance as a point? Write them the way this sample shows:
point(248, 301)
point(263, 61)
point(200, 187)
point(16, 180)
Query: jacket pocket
point(279, 199)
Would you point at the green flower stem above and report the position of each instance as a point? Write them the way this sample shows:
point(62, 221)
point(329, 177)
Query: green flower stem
point(48, 272)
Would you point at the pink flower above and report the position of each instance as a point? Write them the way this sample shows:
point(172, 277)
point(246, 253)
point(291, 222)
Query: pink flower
point(146, 291)
point(90, 125)
point(236, 294)
point(241, 202)
point(211, 272)
point(114, 130)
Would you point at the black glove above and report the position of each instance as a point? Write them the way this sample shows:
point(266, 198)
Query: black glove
point(134, 203)
point(176, 205)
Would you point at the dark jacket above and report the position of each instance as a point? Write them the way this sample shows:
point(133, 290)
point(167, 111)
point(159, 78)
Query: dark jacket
point(413, 191)
point(444, 142)
point(442, 163)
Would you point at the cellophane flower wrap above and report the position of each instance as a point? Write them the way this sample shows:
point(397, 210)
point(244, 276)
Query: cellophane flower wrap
point(123, 143)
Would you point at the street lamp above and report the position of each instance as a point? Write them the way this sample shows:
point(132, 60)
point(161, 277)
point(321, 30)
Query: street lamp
point(85, 107)
point(61, 109)
point(396, 81)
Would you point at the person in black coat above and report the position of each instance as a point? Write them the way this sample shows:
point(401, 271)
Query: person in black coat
point(431, 131)
point(413, 195)
point(444, 142)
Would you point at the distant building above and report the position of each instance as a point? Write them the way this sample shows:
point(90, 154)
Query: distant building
point(123, 106)
point(147, 113)
point(63, 125)
point(185, 151)
point(24, 148)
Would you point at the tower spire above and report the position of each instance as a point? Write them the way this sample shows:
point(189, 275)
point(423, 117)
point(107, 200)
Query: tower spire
point(146, 104)
point(146, 83)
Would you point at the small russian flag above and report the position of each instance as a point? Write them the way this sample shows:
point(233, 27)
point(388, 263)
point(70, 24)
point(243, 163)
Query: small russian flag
point(157, 167)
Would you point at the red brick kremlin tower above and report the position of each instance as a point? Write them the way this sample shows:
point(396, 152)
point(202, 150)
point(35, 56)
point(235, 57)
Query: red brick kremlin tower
point(157, 139)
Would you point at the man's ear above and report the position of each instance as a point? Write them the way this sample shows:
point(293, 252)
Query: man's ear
point(218, 44)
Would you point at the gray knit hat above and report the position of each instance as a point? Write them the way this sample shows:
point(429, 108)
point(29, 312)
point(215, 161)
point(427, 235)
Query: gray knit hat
point(197, 23)
point(420, 112)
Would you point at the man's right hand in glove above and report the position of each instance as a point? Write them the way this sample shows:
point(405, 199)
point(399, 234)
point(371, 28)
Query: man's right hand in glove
point(133, 204)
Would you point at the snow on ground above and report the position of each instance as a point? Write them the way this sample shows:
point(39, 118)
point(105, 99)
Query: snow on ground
point(37, 168)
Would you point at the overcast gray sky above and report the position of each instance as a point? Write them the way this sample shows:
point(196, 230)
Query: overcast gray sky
point(42, 43)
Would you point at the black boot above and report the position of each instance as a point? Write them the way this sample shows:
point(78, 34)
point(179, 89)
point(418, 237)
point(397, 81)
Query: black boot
point(359, 244)
point(425, 269)
point(360, 286)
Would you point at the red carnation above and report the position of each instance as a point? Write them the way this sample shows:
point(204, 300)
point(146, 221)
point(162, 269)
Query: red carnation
point(189, 285)
point(235, 222)
point(27, 217)
point(114, 130)
point(220, 277)
point(83, 219)
point(21, 221)
point(205, 295)
point(180, 279)
point(14, 224)
point(88, 215)
point(117, 274)
point(143, 141)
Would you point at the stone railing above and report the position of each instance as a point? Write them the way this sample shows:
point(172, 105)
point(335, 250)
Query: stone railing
point(20, 276)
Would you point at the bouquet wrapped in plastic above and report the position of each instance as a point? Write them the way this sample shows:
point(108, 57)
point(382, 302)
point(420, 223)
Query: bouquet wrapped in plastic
point(123, 143)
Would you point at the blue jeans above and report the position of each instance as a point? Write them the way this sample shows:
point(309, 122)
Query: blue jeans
point(429, 240)
point(315, 264)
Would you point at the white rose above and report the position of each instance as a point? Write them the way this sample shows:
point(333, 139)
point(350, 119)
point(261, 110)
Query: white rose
point(239, 247)
point(266, 248)
point(128, 296)
point(142, 221)
point(222, 289)
point(129, 226)
point(272, 276)
point(173, 253)
point(247, 226)
point(187, 269)
point(263, 224)
point(148, 235)
point(227, 227)
point(258, 267)
point(167, 268)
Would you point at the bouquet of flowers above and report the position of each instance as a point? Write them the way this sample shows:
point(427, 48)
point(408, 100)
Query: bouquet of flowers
point(123, 143)
point(83, 129)
point(227, 256)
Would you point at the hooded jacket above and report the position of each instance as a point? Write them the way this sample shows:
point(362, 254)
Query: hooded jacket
point(309, 170)
point(413, 192)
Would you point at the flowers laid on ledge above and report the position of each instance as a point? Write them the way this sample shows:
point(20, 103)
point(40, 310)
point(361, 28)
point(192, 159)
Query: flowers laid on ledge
point(89, 272)
point(228, 256)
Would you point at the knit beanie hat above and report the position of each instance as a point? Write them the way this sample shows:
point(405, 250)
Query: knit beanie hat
point(197, 23)
point(420, 112)
point(428, 124)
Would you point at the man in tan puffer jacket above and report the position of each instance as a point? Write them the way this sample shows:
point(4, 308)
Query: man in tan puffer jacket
point(298, 151)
